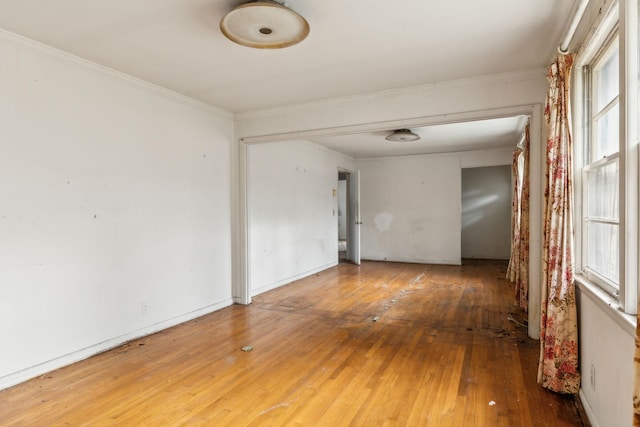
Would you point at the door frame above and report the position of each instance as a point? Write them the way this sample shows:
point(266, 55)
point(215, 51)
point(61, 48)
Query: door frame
point(354, 221)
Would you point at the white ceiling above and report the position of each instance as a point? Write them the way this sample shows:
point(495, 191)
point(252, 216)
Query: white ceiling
point(354, 47)
point(446, 138)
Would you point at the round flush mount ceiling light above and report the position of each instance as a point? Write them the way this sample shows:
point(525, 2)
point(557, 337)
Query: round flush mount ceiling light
point(264, 24)
point(402, 135)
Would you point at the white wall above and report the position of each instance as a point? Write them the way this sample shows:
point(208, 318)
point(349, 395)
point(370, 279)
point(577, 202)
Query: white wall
point(607, 347)
point(487, 158)
point(114, 192)
point(411, 205)
point(442, 102)
point(410, 209)
point(486, 212)
point(292, 211)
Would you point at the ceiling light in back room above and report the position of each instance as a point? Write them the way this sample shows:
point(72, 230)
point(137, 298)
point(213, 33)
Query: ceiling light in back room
point(264, 24)
point(402, 135)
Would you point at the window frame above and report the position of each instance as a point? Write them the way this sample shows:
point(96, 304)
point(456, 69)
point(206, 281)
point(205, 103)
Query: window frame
point(619, 18)
point(589, 162)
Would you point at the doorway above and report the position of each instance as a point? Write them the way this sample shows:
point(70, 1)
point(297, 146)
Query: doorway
point(486, 213)
point(343, 215)
point(348, 195)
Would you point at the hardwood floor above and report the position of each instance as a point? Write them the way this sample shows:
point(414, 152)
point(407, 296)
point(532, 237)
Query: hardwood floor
point(376, 345)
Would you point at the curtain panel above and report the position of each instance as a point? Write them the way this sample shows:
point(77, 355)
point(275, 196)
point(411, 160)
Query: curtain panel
point(636, 362)
point(558, 366)
point(636, 389)
point(518, 269)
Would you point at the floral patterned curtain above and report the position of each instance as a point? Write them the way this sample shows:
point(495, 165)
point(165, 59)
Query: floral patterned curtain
point(518, 270)
point(558, 366)
point(636, 362)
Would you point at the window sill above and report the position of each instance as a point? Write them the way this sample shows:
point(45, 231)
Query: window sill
point(607, 304)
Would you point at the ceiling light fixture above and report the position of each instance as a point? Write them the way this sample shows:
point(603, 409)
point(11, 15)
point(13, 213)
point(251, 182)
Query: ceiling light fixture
point(264, 24)
point(402, 135)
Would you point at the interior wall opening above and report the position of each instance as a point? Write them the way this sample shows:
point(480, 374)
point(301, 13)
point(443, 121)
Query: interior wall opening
point(343, 215)
point(486, 213)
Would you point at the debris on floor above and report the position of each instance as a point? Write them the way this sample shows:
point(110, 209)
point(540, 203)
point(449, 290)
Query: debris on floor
point(522, 324)
point(247, 348)
point(375, 319)
point(492, 403)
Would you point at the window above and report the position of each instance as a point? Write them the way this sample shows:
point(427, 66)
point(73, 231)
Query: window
point(607, 159)
point(601, 172)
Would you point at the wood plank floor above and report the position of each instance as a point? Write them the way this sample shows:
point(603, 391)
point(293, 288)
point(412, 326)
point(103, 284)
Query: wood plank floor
point(383, 344)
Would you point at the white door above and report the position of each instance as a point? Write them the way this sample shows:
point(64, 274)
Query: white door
point(353, 247)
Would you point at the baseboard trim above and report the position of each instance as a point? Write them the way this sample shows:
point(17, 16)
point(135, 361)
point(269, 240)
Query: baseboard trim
point(279, 283)
point(85, 353)
point(586, 413)
point(416, 261)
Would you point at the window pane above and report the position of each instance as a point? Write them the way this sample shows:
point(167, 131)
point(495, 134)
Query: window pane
point(600, 183)
point(602, 192)
point(607, 78)
point(607, 140)
point(602, 252)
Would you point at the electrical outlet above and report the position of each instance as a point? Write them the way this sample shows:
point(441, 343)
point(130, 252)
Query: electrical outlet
point(592, 377)
point(144, 307)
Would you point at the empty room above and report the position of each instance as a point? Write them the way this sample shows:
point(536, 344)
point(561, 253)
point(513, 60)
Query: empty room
point(221, 212)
